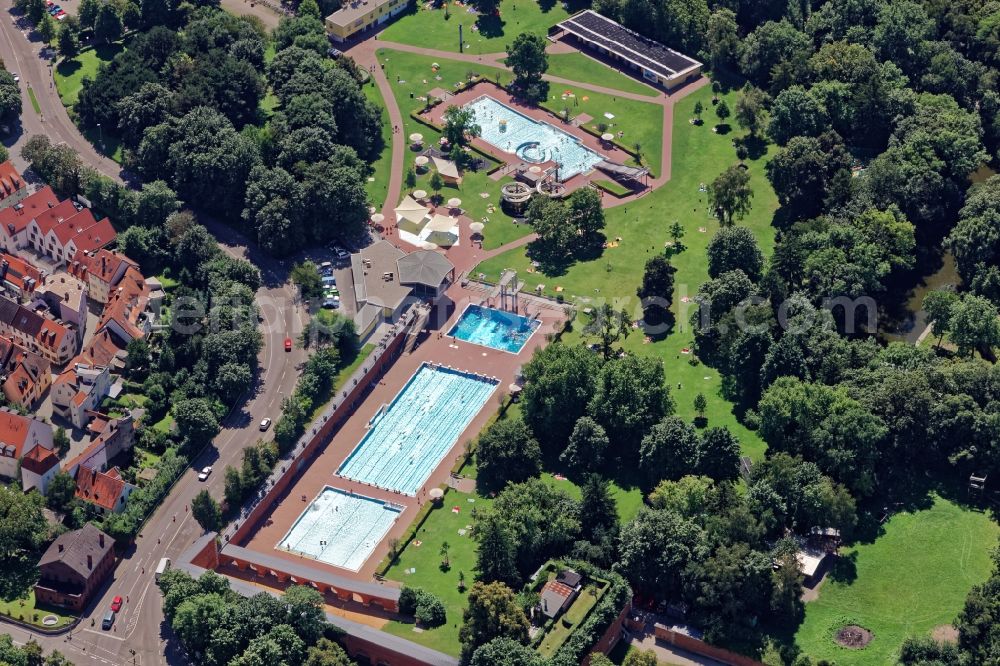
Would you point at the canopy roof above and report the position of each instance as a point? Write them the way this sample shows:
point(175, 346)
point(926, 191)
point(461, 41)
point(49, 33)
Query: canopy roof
point(425, 267)
point(410, 209)
point(446, 167)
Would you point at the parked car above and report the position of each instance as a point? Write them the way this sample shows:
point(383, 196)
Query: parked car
point(326, 268)
point(288, 344)
point(204, 473)
point(17, 77)
point(341, 253)
point(116, 604)
point(265, 424)
point(109, 619)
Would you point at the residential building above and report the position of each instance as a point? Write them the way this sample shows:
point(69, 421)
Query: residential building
point(38, 466)
point(74, 567)
point(79, 390)
point(356, 16)
point(12, 186)
point(19, 435)
point(104, 349)
point(111, 437)
point(25, 376)
point(108, 491)
point(130, 312)
point(55, 340)
point(66, 229)
point(18, 277)
point(101, 270)
point(14, 219)
point(66, 299)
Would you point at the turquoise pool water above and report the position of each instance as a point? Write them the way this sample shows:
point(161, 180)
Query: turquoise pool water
point(531, 140)
point(489, 327)
point(407, 440)
point(340, 528)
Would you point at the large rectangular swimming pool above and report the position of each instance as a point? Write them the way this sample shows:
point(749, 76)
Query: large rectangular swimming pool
point(494, 328)
point(340, 528)
point(408, 439)
point(530, 139)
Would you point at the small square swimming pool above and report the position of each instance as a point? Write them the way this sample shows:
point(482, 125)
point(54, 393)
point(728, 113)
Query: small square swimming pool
point(340, 528)
point(494, 328)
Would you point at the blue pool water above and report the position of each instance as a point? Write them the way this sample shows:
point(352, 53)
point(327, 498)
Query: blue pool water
point(531, 140)
point(408, 439)
point(340, 528)
point(489, 327)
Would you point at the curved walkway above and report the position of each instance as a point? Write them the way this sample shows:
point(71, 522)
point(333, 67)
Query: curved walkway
point(365, 55)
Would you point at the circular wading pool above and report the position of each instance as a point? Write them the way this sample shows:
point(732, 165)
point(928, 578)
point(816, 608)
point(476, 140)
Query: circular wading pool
point(532, 151)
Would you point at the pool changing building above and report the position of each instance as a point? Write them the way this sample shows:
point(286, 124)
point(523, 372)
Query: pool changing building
point(387, 281)
point(656, 62)
point(356, 16)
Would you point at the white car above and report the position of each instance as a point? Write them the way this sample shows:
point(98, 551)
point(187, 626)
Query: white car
point(203, 474)
point(17, 77)
point(265, 424)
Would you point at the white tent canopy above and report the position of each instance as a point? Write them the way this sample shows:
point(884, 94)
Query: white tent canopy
point(410, 209)
point(446, 168)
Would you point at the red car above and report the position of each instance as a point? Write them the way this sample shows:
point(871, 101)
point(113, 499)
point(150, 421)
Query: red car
point(288, 344)
point(116, 604)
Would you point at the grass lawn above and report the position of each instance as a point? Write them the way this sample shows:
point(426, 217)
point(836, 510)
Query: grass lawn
point(412, 70)
point(24, 609)
point(168, 283)
point(699, 155)
point(441, 525)
point(34, 100)
point(912, 579)
point(579, 67)
point(612, 187)
point(557, 635)
point(629, 500)
point(346, 372)
point(433, 28)
point(165, 425)
point(144, 458)
point(69, 74)
point(378, 182)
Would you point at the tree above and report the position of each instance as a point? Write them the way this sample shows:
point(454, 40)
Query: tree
point(559, 382)
point(657, 291)
point(305, 612)
point(723, 38)
point(608, 326)
point(586, 216)
point(975, 240)
point(796, 112)
point(689, 496)
point(327, 653)
point(735, 248)
point(507, 652)
point(640, 658)
point(495, 557)
point(976, 622)
point(436, 183)
point(699, 108)
point(730, 194)
point(527, 59)
point(108, 24)
point(630, 397)
point(751, 109)
point(459, 125)
point(719, 454)
point(206, 511)
point(492, 612)
point(46, 28)
point(196, 422)
point(586, 448)
point(61, 491)
point(598, 509)
point(88, 13)
point(307, 278)
point(669, 450)
point(233, 492)
point(10, 100)
point(938, 306)
point(974, 325)
point(196, 618)
point(507, 452)
point(700, 404)
point(810, 174)
point(655, 548)
point(722, 110)
point(61, 440)
point(775, 54)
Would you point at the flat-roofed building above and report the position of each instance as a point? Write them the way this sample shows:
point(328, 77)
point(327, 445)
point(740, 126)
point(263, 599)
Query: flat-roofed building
point(359, 15)
point(652, 60)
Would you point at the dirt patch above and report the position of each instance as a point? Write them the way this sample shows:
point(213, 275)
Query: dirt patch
point(945, 633)
point(854, 637)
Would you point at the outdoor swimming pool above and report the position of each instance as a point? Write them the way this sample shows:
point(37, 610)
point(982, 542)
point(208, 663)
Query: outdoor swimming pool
point(407, 439)
point(531, 140)
point(340, 528)
point(489, 327)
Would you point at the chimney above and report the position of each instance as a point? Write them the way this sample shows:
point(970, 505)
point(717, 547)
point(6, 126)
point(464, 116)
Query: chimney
point(100, 539)
point(61, 547)
point(90, 561)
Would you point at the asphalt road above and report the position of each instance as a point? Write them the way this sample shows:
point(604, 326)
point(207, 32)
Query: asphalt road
point(139, 635)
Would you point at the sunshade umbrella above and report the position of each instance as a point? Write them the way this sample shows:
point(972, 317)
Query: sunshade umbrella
point(435, 493)
point(535, 169)
point(421, 160)
point(378, 218)
point(454, 202)
point(608, 136)
point(416, 137)
point(477, 227)
point(419, 194)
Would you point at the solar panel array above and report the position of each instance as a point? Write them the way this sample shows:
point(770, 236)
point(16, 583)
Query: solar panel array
point(621, 41)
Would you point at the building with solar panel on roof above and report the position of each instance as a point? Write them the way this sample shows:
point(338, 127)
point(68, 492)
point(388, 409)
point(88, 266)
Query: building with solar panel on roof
point(652, 60)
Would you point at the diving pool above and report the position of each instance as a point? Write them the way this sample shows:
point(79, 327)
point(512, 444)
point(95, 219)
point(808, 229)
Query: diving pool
point(530, 139)
point(407, 439)
point(340, 528)
point(494, 328)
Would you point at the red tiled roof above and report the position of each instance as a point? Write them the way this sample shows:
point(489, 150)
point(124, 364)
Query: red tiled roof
point(95, 236)
point(100, 488)
point(10, 180)
point(14, 431)
point(49, 219)
point(39, 460)
point(15, 219)
point(560, 589)
point(101, 350)
point(127, 303)
point(17, 271)
point(102, 264)
point(73, 225)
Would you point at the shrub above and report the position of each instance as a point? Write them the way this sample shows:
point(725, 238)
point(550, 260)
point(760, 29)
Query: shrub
point(430, 611)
